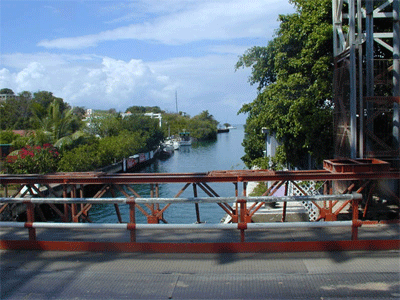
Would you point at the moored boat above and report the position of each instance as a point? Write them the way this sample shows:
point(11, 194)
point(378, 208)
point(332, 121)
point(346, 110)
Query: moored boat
point(185, 139)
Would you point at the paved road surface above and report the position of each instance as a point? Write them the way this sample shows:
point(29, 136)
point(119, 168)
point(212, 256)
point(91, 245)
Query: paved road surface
point(107, 275)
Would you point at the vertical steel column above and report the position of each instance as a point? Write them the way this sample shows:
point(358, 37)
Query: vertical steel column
point(355, 222)
point(30, 218)
point(353, 80)
point(116, 207)
point(360, 78)
point(152, 196)
point(338, 37)
point(196, 205)
point(152, 218)
point(285, 203)
point(132, 219)
point(396, 72)
point(235, 213)
point(335, 25)
point(242, 224)
point(85, 212)
point(66, 207)
point(396, 81)
point(369, 80)
point(157, 196)
point(74, 207)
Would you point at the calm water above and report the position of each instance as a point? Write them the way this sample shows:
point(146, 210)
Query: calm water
point(222, 154)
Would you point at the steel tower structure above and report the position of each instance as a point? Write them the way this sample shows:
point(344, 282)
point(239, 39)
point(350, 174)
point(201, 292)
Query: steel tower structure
point(366, 38)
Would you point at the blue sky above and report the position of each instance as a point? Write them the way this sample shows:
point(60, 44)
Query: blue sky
point(115, 54)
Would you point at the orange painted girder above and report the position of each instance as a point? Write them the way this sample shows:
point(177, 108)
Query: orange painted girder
point(304, 246)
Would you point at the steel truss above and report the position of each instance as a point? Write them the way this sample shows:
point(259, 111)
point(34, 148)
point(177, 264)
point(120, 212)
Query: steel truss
point(72, 186)
point(366, 79)
point(69, 191)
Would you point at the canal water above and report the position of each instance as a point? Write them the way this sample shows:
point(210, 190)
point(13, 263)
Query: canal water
point(223, 154)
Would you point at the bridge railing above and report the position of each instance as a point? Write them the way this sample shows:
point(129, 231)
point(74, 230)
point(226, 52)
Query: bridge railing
point(76, 185)
point(241, 213)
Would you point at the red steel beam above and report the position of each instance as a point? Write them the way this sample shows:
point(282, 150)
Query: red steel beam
point(215, 176)
point(304, 246)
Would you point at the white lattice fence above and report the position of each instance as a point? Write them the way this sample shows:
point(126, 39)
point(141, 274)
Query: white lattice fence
point(311, 188)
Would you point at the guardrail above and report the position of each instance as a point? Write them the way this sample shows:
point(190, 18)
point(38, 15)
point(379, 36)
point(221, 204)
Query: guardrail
point(242, 214)
point(77, 192)
point(73, 185)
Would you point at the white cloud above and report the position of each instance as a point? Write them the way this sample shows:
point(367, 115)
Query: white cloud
point(21, 60)
point(31, 76)
point(205, 20)
point(205, 83)
point(228, 49)
point(208, 83)
point(105, 84)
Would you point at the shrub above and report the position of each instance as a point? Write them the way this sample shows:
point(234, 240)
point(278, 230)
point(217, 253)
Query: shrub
point(80, 159)
point(33, 160)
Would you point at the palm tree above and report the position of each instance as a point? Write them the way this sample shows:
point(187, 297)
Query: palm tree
point(55, 126)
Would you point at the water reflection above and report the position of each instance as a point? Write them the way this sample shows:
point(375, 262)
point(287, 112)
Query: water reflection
point(223, 154)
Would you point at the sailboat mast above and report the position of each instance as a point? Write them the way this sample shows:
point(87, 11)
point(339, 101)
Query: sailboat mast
point(176, 101)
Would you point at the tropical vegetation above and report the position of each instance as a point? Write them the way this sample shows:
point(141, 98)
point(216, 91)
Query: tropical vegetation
point(57, 139)
point(293, 74)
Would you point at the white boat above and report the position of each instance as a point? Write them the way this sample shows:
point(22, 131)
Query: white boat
point(184, 139)
point(185, 143)
point(176, 145)
point(168, 145)
point(168, 148)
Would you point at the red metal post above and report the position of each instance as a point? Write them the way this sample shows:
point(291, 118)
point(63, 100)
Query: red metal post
point(66, 208)
point(235, 212)
point(157, 196)
point(196, 205)
point(284, 203)
point(152, 196)
point(356, 222)
point(74, 208)
point(153, 218)
point(242, 224)
point(30, 218)
point(132, 219)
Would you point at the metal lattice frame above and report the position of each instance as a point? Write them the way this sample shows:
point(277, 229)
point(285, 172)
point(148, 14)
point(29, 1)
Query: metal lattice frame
point(75, 185)
point(366, 81)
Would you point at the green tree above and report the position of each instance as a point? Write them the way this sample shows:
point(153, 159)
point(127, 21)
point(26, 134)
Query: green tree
point(105, 124)
point(7, 137)
point(15, 112)
point(80, 159)
point(102, 152)
point(147, 127)
point(79, 111)
point(6, 91)
point(45, 98)
point(294, 77)
point(143, 109)
point(174, 123)
point(203, 126)
point(57, 126)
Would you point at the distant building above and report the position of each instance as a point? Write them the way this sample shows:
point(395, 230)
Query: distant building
point(5, 97)
point(127, 114)
point(155, 116)
point(89, 113)
point(151, 115)
point(270, 142)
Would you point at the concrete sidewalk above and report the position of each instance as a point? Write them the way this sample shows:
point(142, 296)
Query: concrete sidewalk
point(106, 275)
